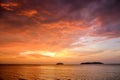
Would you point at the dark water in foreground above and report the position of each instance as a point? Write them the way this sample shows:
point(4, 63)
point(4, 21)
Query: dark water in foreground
point(65, 72)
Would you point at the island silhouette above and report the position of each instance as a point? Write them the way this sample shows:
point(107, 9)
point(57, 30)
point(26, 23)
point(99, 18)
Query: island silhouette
point(91, 63)
point(59, 63)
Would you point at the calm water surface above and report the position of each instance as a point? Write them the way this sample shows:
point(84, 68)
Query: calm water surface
point(63, 72)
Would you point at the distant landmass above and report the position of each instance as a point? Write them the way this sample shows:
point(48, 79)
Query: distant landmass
point(59, 64)
point(92, 63)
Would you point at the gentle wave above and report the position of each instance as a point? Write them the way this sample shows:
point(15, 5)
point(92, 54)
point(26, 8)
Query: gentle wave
point(53, 72)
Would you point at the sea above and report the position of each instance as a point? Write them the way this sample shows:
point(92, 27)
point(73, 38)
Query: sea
point(59, 72)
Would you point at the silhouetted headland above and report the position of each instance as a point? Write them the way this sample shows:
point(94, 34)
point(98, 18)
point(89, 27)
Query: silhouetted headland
point(59, 64)
point(22, 79)
point(92, 63)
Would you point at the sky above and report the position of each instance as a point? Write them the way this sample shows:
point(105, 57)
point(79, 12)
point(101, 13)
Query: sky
point(51, 31)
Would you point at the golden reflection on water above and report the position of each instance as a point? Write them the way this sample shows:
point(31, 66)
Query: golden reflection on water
point(63, 72)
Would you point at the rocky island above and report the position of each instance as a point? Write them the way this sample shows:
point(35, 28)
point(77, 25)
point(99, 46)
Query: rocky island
point(92, 63)
point(59, 64)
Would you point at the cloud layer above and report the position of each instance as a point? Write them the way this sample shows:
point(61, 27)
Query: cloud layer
point(57, 25)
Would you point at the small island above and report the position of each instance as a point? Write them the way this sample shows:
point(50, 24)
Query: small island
point(59, 64)
point(92, 63)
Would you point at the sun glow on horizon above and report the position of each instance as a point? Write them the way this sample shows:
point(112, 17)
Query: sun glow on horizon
point(43, 53)
point(41, 31)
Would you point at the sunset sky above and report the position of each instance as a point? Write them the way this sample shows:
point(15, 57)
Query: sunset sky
point(51, 31)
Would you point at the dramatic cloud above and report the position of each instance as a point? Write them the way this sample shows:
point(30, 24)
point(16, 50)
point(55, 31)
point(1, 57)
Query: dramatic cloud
point(58, 26)
point(29, 13)
point(9, 6)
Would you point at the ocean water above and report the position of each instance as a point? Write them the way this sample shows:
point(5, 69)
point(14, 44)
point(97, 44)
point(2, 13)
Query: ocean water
point(59, 72)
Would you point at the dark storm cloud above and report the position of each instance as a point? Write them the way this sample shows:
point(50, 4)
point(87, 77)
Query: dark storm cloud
point(109, 13)
point(53, 25)
point(111, 31)
point(51, 8)
point(19, 13)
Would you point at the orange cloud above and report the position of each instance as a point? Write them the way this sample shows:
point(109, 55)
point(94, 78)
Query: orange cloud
point(29, 13)
point(54, 27)
point(9, 6)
